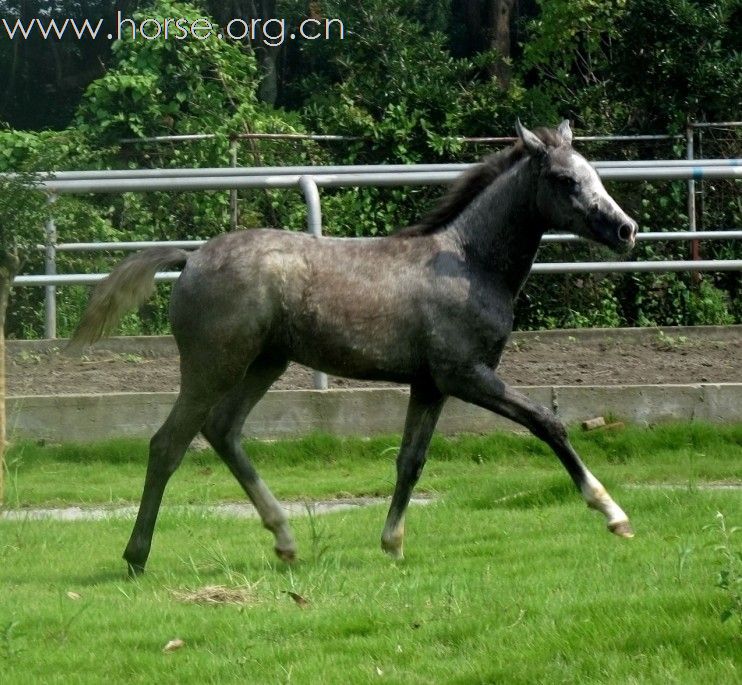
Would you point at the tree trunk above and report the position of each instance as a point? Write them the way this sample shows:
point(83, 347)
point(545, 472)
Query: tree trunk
point(9, 265)
point(498, 25)
point(268, 89)
point(268, 56)
point(472, 10)
point(487, 25)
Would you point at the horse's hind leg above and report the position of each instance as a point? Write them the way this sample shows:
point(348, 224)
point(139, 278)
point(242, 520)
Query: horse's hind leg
point(423, 411)
point(166, 450)
point(484, 388)
point(223, 430)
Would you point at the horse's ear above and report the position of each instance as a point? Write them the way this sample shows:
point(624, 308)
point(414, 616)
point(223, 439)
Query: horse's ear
point(533, 143)
point(565, 131)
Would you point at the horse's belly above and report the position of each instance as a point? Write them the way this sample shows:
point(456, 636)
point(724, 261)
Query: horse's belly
point(368, 351)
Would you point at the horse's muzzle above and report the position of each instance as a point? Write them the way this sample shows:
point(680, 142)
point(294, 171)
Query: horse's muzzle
point(619, 235)
point(627, 234)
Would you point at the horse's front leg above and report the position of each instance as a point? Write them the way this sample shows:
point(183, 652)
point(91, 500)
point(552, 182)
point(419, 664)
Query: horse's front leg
point(423, 411)
point(481, 386)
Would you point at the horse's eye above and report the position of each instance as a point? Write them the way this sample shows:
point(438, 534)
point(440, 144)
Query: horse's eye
point(567, 183)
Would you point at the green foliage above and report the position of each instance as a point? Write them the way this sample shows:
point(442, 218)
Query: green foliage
point(585, 301)
point(159, 86)
point(568, 57)
point(153, 88)
point(31, 151)
point(427, 99)
point(672, 300)
point(398, 82)
point(24, 211)
point(615, 64)
point(566, 32)
point(729, 577)
point(21, 207)
point(689, 56)
point(709, 306)
point(163, 87)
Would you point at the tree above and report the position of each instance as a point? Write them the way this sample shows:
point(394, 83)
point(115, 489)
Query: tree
point(267, 54)
point(41, 80)
point(19, 205)
point(689, 56)
point(500, 12)
point(488, 29)
point(635, 65)
point(398, 84)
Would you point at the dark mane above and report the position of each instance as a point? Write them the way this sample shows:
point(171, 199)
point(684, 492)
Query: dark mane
point(472, 182)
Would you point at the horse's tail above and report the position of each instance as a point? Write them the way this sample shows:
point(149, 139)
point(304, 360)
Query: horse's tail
point(125, 288)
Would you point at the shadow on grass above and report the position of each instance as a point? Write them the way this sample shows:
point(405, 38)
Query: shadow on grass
point(114, 574)
point(520, 495)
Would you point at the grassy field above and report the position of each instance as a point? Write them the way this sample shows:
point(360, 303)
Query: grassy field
point(508, 578)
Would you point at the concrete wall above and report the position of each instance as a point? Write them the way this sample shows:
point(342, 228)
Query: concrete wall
point(285, 413)
point(289, 413)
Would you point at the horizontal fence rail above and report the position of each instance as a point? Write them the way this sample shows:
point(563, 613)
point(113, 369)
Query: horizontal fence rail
point(220, 172)
point(652, 236)
point(197, 137)
point(292, 137)
point(130, 246)
point(114, 184)
point(641, 267)
point(538, 268)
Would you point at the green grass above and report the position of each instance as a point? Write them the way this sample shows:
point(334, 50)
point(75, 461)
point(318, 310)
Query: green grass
point(495, 589)
point(326, 466)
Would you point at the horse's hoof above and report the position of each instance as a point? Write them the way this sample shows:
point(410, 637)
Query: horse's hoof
point(394, 551)
point(622, 529)
point(134, 570)
point(288, 554)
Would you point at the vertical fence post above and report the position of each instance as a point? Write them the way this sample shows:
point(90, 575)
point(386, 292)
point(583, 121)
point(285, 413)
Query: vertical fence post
point(701, 203)
point(50, 269)
point(695, 249)
point(314, 225)
point(233, 207)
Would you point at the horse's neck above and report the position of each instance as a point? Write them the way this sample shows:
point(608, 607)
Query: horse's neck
point(500, 228)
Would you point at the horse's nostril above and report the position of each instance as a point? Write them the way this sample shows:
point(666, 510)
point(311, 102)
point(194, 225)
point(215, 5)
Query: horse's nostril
point(626, 232)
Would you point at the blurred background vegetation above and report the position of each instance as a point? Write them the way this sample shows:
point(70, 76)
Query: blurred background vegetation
point(409, 79)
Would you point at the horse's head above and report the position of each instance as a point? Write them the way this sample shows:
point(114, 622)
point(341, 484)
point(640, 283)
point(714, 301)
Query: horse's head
point(570, 194)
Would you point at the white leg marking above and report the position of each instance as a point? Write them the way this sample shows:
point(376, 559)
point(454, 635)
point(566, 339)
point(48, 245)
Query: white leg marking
point(392, 539)
point(597, 497)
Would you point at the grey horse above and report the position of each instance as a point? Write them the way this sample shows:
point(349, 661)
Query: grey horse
point(430, 306)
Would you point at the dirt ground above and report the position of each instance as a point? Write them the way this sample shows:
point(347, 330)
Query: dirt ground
point(531, 359)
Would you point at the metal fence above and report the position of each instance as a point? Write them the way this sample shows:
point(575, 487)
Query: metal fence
point(310, 179)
